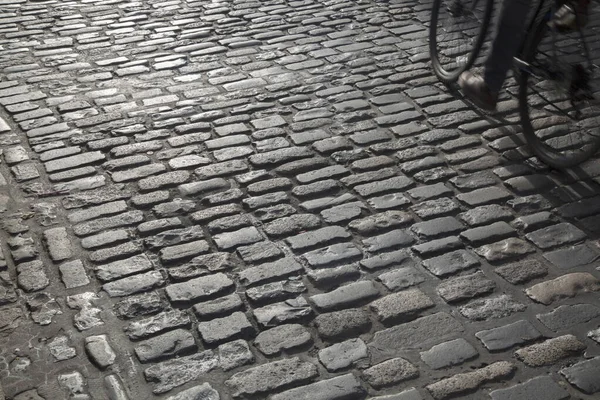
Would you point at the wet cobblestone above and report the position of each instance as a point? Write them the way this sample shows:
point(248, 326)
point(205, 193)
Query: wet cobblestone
point(276, 200)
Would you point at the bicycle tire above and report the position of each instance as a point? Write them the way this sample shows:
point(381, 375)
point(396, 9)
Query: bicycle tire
point(547, 154)
point(440, 71)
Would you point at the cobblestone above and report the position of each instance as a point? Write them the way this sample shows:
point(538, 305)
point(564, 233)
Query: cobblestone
point(271, 376)
point(550, 351)
point(295, 177)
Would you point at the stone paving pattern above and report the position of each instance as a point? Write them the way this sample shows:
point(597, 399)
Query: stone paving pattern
point(277, 200)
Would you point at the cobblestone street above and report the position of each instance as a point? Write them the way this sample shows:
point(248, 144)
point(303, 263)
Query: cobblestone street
point(253, 199)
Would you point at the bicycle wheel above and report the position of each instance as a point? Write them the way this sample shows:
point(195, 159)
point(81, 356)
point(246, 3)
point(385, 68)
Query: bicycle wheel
point(559, 98)
point(456, 34)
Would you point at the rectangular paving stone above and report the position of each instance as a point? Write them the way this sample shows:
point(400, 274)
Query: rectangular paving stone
point(556, 235)
point(584, 375)
point(568, 316)
point(336, 253)
point(203, 287)
point(410, 394)
point(173, 373)
point(59, 245)
point(401, 278)
point(134, 284)
point(345, 296)
point(401, 304)
point(550, 351)
point(270, 271)
point(450, 263)
point(489, 233)
point(469, 381)
point(479, 197)
point(418, 334)
point(507, 336)
point(317, 237)
point(74, 161)
point(565, 286)
point(338, 388)
point(226, 328)
point(450, 353)
point(465, 287)
point(271, 376)
point(541, 387)
point(163, 346)
point(121, 268)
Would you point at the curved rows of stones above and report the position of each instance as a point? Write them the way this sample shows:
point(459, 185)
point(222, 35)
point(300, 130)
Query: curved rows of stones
point(257, 189)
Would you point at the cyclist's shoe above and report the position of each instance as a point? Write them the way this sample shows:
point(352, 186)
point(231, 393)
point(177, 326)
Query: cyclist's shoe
point(570, 16)
point(476, 90)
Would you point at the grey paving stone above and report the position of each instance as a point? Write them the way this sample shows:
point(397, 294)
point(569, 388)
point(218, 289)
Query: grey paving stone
point(556, 235)
point(380, 222)
point(244, 236)
point(401, 278)
point(182, 252)
point(223, 329)
point(507, 336)
point(532, 222)
point(450, 263)
point(410, 394)
point(522, 271)
point(342, 355)
point(271, 376)
point(567, 316)
point(418, 334)
point(292, 310)
point(489, 233)
point(345, 296)
point(167, 345)
point(465, 287)
point(483, 196)
point(469, 381)
point(393, 258)
point(390, 372)
point(317, 237)
point(161, 322)
point(435, 228)
point(140, 305)
point(199, 288)
point(506, 249)
point(207, 310)
point(539, 387)
point(276, 291)
point(450, 353)
point(173, 373)
point(270, 271)
point(73, 274)
point(491, 308)
point(283, 337)
point(435, 247)
point(569, 285)
point(401, 304)
point(336, 253)
point(203, 391)
point(235, 354)
point(31, 276)
point(573, 256)
point(550, 351)
point(584, 375)
point(99, 350)
point(341, 387)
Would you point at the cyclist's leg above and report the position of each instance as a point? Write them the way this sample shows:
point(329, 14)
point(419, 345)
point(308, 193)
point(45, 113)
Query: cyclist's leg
point(506, 44)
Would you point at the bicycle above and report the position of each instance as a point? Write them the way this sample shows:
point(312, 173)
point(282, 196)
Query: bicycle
point(559, 81)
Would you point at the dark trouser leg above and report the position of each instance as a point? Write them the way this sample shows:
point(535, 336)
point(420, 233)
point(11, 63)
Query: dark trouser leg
point(506, 44)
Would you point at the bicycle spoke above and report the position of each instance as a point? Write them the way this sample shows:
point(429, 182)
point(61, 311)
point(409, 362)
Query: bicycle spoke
point(562, 92)
point(457, 28)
